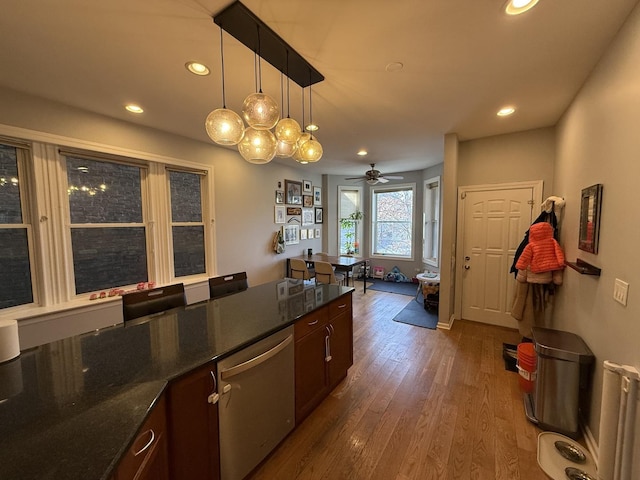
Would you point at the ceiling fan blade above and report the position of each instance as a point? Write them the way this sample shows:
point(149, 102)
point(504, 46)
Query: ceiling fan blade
point(382, 179)
point(355, 178)
point(394, 177)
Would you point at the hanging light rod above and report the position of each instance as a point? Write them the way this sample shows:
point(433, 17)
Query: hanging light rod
point(240, 22)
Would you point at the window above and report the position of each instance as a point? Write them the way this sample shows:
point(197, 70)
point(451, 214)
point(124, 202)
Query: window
point(187, 226)
point(349, 213)
point(16, 283)
point(431, 227)
point(392, 221)
point(108, 231)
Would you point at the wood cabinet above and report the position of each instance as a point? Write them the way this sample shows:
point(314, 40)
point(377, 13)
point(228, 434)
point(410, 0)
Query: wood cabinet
point(147, 457)
point(193, 426)
point(323, 353)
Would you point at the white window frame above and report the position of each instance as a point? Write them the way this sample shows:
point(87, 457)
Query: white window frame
point(373, 222)
point(431, 222)
point(359, 227)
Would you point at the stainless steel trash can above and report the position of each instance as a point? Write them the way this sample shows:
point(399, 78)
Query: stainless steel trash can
point(564, 367)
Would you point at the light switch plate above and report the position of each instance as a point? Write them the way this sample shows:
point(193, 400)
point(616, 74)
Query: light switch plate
point(620, 291)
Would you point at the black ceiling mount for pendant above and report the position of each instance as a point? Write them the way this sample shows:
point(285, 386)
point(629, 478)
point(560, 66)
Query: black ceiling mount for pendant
point(240, 22)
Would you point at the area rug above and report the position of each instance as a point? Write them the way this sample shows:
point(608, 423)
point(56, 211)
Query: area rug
point(415, 314)
point(402, 288)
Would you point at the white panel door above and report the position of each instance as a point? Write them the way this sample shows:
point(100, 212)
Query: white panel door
point(494, 223)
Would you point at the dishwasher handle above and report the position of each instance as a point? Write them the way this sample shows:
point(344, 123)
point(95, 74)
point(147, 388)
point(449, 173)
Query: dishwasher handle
point(255, 361)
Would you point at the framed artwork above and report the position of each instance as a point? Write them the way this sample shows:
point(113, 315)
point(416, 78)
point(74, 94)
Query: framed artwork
point(307, 216)
point(280, 214)
point(294, 211)
point(307, 201)
point(303, 234)
point(310, 234)
point(317, 235)
point(279, 196)
point(291, 234)
point(317, 196)
point(306, 186)
point(293, 192)
point(318, 215)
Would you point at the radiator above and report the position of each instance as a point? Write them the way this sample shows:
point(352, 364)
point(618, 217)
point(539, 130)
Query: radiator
point(618, 421)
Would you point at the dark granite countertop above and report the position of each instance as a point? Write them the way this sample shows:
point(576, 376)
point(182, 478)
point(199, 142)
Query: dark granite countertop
point(69, 409)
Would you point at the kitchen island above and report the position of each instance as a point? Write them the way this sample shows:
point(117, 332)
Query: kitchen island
point(70, 409)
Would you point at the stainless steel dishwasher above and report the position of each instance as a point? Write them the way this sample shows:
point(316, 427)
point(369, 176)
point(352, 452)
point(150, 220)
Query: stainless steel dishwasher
point(257, 407)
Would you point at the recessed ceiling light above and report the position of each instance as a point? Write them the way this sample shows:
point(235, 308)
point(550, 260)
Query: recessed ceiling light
point(134, 108)
point(362, 153)
point(506, 111)
point(394, 67)
point(516, 7)
point(312, 127)
point(197, 68)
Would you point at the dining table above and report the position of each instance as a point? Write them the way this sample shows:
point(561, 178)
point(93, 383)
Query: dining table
point(345, 263)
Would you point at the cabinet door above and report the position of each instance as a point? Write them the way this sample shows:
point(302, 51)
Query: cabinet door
point(193, 426)
point(147, 457)
point(341, 345)
point(311, 372)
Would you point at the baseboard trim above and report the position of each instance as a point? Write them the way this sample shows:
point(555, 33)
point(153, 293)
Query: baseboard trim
point(446, 326)
point(592, 445)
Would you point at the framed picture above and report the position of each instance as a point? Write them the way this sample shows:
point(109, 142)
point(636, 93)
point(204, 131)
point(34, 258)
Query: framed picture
point(317, 234)
point(294, 211)
point(293, 192)
point(280, 214)
point(291, 234)
point(317, 196)
point(306, 186)
point(310, 234)
point(318, 215)
point(279, 196)
point(303, 234)
point(307, 216)
point(307, 201)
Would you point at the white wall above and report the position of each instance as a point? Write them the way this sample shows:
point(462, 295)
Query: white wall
point(598, 142)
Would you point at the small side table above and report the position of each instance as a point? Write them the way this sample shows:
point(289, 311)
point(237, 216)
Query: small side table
point(427, 281)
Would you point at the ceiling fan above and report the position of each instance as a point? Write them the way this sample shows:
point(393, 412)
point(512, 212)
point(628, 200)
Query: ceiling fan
point(374, 176)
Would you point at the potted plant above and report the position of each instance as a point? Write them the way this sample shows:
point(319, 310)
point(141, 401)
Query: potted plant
point(350, 225)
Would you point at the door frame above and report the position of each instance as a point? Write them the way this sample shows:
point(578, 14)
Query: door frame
point(536, 185)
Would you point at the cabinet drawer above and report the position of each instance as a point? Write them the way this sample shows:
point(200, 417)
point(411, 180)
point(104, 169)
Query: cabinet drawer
point(311, 322)
point(340, 306)
point(150, 442)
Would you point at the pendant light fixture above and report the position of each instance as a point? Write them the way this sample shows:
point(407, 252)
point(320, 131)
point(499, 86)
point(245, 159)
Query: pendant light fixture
point(259, 110)
point(311, 150)
point(224, 126)
point(304, 138)
point(257, 146)
point(287, 129)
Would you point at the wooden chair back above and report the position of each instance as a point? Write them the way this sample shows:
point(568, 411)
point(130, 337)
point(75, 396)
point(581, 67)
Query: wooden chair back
point(324, 272)
point(155, 300)
point(228, 284)
point(298, 269)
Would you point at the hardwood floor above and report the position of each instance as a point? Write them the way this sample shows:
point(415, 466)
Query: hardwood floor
point(417, 404)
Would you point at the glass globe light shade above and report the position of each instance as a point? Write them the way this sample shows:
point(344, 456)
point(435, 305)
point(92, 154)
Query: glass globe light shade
point(288, 130)
point(304, 137)
point(257, 146)
point(224, 126)
point(285, 150)
point(260, 111)
point(297, 156)
point(311, 151)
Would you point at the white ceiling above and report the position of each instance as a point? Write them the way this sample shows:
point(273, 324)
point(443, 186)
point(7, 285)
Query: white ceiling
point(463, 60)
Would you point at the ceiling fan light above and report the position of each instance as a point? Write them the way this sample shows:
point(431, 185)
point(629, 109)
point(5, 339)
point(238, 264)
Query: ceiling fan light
point(257, 146)
point(260, 111)
point(372, 181)
point(224, 126)
point(285, 150)
point(288, 130)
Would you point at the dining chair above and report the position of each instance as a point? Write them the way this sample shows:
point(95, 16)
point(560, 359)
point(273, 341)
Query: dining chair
point(326, 274)
point(155, 300)
point(298, 269)
point(227, 284)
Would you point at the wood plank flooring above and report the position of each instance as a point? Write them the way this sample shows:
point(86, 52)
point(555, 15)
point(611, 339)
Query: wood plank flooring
point(417, 404)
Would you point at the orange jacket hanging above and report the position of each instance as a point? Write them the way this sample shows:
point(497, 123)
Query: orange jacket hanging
point(543, 253)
